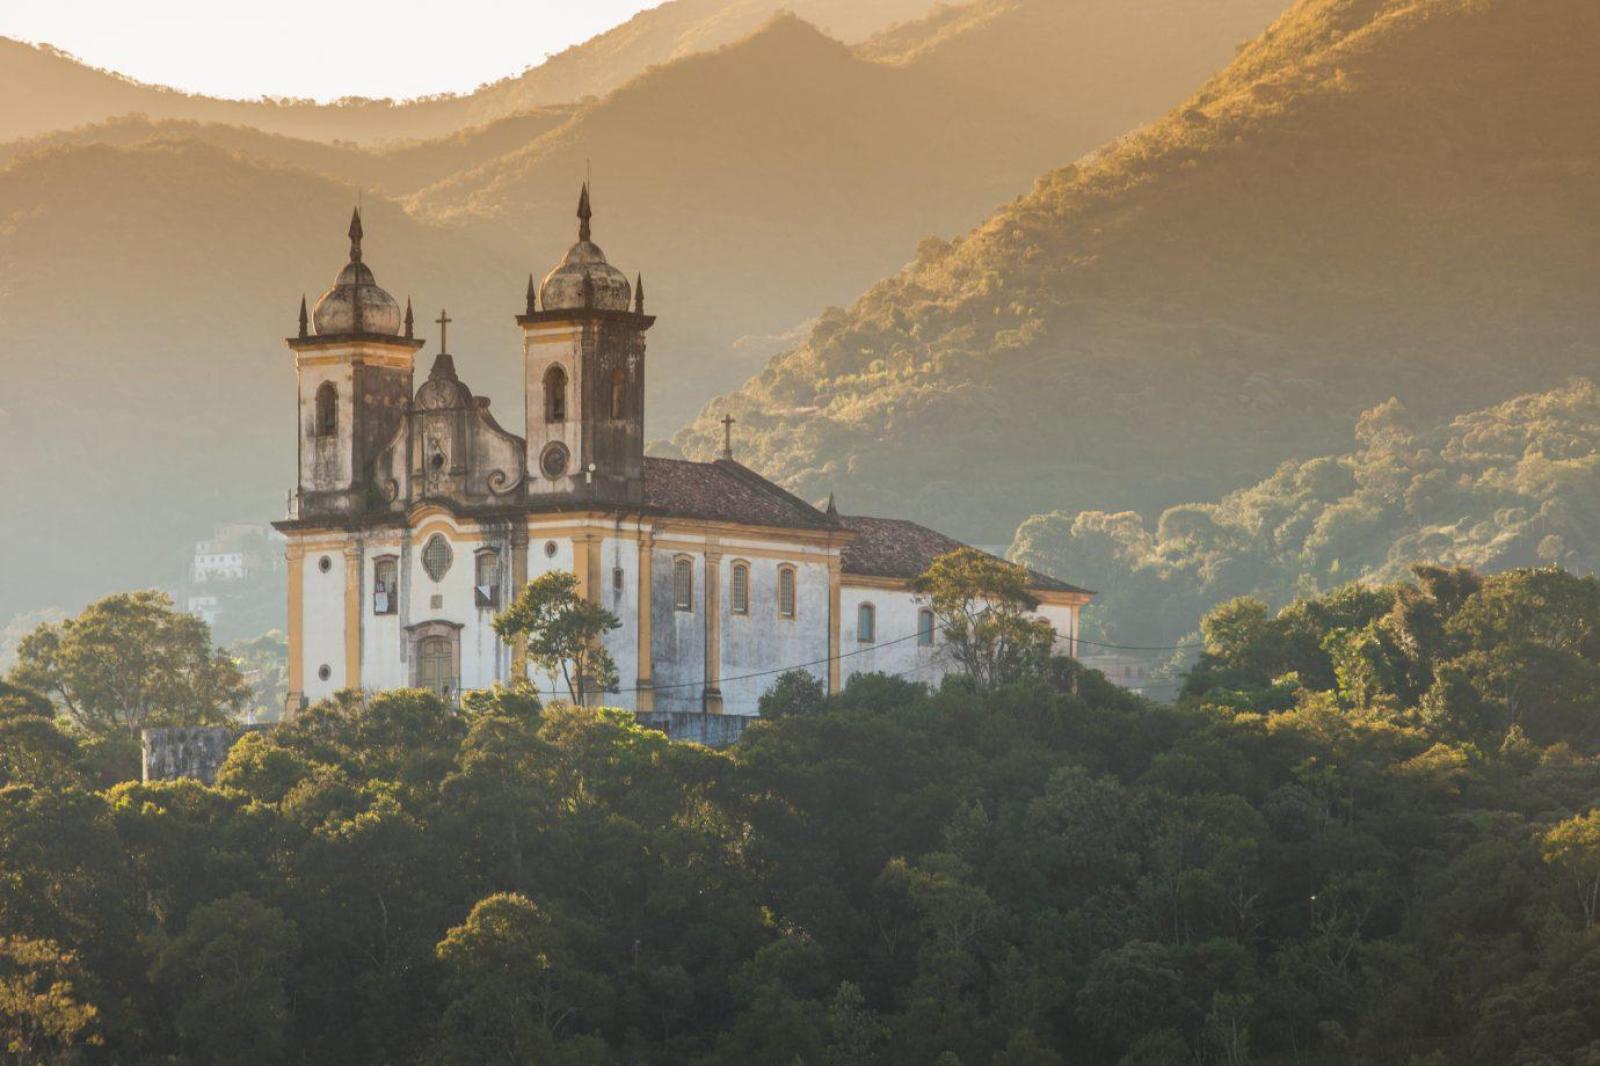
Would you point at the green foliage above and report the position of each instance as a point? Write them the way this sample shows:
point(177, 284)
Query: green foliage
point(983, 606)
point(563, 633)
point(44, 1015)
point(794, 692)
point(130, 661)
point(1510, 486)
point(1334, 849)
point(226, 972)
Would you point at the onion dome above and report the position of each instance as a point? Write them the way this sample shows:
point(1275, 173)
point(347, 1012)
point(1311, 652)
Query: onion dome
point(583, 278)
point(356, 304)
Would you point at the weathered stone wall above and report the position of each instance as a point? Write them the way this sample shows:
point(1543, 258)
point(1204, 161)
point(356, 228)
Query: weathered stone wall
point(712, 730)
point(196, 752)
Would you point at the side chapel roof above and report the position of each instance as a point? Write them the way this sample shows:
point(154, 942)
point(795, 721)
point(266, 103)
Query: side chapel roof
point(894, 547)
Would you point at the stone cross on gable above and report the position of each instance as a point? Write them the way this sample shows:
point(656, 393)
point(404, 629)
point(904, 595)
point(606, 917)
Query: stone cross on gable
point(444, 321)
point(727, 436)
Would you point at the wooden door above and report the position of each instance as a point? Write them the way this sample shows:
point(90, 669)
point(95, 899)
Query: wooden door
point(436, 666)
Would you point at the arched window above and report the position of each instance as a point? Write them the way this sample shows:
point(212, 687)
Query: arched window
point(786, 592)
point(385, 585)
point(327, 418)
point(619, 392)
point(866, 623)
point(555, 394)
point(683, 583)
point(486, 580)
point(739, 589)
point(925, 628)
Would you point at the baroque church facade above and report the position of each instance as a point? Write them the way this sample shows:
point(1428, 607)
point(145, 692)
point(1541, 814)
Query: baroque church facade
point(418, 517)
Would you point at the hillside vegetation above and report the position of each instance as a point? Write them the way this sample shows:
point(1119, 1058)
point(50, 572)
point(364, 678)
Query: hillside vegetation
point(1366, 835)
point(1514, 485)
point(149, 269)
point(1390, 197)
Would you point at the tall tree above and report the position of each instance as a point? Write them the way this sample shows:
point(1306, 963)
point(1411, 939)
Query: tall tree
point(564, 632)
point(985, 609)
point(131, 661)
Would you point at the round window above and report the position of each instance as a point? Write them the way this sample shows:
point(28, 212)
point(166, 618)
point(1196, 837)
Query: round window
point(550, 549)
point(553, 460)
point(437, 556)
point(324, 671)
point(324, 564)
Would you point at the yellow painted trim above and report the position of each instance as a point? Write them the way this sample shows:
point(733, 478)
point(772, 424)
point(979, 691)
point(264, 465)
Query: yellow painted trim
point(296, 557)
point(712, 602)
point(867, 581)
point(725, 531)
point(645, 697)
point(835, 588)
point(553, 338)
point(519, 581)
point(352, 615)
point(794, 558)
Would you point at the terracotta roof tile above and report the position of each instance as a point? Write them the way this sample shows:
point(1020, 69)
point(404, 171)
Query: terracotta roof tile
point(725, 491)
point(894, 547)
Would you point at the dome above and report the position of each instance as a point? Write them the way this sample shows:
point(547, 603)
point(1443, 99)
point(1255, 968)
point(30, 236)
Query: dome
point(584, 266)
point(356, 304)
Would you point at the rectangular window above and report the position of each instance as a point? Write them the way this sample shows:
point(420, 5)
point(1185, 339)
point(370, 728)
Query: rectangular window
point(925, 628)
point(683, 584)
point(740, 590)
point(786, 591)
point(486, 581)
point(385, 586)
point(866, 623)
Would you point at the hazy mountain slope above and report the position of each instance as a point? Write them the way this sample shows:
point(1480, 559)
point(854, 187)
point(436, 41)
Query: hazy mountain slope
point(1040, 54)
point(144, 295)
point(63, 92)
point(1516, 484)
point(758, 183)
point(1383, 197)
point(395, 169)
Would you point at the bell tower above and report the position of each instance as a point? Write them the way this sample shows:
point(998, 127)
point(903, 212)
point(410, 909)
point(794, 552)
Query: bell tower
point(355, 367)
point(583, 360)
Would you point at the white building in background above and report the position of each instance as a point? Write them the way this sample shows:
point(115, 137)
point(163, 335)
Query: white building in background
point(418, 517)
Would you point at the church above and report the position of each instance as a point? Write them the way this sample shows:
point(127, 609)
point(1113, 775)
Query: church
point(418, 517)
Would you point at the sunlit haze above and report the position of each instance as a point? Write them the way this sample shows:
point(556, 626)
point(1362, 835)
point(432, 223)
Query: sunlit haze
point(302, 48)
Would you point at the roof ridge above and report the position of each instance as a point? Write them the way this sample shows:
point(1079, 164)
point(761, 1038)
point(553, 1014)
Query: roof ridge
point(767, 485)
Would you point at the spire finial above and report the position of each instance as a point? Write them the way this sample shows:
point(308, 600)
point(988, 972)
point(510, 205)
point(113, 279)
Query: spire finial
point(638, 294)
point(832, 509)
point(410, 332)
point(305, 319)
point(584, 213)
point(355, 235)
point(444, 321)
point(727, 436)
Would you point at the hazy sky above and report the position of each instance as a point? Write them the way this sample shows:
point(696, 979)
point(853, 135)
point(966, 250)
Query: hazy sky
point(316, 48)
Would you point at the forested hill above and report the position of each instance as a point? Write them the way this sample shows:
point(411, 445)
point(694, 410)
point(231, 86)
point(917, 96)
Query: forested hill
point(1368, 835)
point(1392, 197)
point(1513, 485)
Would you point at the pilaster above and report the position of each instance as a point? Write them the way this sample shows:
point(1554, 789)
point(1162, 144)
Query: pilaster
point(711, 698)
point(295, 555)
point(835, 597)
point(352, 614)
point(645, 697)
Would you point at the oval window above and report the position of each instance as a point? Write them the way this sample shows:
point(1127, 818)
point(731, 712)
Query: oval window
point(437, 556)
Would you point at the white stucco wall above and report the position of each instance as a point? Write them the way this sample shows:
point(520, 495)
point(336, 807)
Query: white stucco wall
point(322, 632)
point(763, 640)
point(895, 649)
